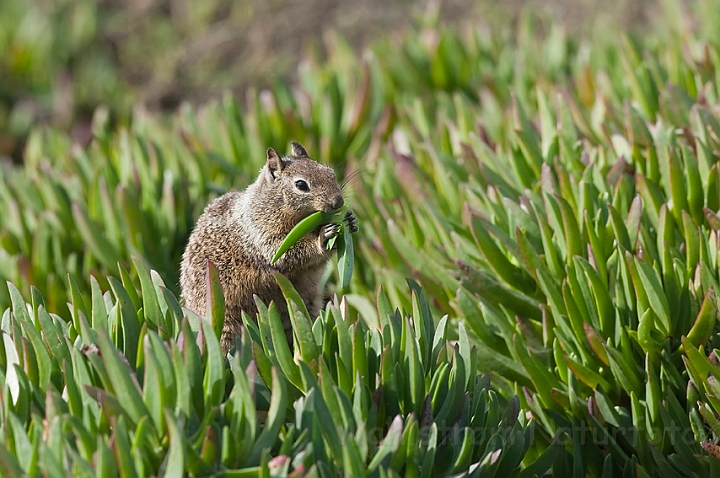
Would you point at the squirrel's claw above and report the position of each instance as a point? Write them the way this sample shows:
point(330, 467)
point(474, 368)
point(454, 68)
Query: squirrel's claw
point(351, 220)
point(328, 231)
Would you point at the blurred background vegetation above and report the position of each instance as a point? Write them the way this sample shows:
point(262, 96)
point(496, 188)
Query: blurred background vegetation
point(61, 59)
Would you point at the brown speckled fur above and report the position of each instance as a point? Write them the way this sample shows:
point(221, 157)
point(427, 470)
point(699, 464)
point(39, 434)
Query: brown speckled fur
point(240, 232)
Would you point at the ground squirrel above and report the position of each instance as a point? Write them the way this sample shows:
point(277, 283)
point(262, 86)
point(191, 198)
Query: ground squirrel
point(240, 231)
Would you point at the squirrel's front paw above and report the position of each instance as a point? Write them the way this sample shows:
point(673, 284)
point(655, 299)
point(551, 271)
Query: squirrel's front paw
point(351, 220)
point(328, 232)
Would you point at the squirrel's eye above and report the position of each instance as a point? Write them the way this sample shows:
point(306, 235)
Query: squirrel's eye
point(302, 185)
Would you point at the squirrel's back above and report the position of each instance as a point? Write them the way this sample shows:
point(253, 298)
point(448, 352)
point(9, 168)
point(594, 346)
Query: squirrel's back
point(217, 239)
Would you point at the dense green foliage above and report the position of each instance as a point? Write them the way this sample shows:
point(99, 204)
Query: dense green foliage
point(139, 385)
point(557, 198)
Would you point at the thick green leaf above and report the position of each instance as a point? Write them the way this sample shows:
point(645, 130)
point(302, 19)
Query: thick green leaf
point(122, 378)
point(215, 299)
point(346, 256)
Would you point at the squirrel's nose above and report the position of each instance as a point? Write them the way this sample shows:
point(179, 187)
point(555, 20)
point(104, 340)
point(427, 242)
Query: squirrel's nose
point(339, 201)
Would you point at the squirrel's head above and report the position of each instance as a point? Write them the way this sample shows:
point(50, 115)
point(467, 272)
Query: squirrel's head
point(304, 185)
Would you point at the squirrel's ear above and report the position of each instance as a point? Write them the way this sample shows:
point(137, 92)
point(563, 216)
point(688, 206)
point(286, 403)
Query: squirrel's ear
point(275, 163)
point(297, 150)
